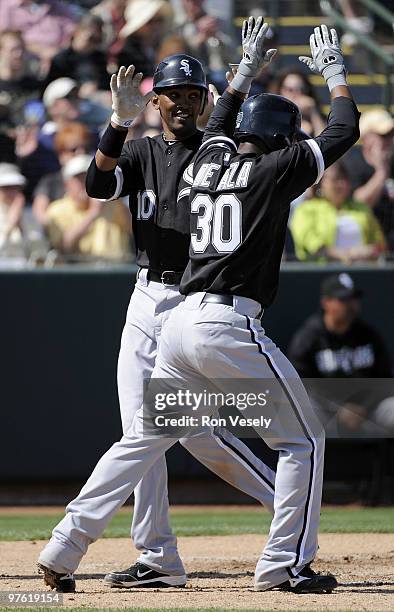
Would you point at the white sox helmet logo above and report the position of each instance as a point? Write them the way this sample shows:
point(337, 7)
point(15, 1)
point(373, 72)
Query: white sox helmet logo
point(185, 66)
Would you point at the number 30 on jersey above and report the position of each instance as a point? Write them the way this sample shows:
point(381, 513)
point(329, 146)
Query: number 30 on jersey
point(219, 223)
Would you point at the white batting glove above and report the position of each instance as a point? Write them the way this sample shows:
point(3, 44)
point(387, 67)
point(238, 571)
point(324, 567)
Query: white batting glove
point(127, 100)
point(254, 57)
point(327, 58)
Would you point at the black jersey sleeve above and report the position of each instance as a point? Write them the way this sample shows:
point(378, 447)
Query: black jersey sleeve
point(217, 145)
point(303, 164)
point(116, 183)
point(342, 130)
point(223, 118)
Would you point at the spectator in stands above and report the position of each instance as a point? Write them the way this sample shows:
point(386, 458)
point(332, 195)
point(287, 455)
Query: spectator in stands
point(12, 202)
point(112, 14)
point(147, 23)
point(294, 84)
point(7, 144)
point(18, 80)
point(46, 25)
point(63, 104)
point(80, 225)
point(35, 155)
point(83, 60)
point(71, 140)
point(172, 45)
point(35, 142)
point(34, 139)
point(371, 168)
point(18, 232)
point(335, 227)
point(336, 343)
point(356, 15)
point(207, 39)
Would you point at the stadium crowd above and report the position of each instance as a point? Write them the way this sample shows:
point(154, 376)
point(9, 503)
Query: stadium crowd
point(56, 59)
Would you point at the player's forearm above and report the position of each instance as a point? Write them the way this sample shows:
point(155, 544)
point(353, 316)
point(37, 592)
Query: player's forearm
point(101, 179)
point(223, 119)
point(317, 122)
point(110, 147)
point(224, 116)
point(342, 130)
point(341, 91)
point(101, 184)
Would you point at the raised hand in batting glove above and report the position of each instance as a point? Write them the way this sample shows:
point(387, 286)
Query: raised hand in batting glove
point(327, 58)
point(127, 100)
point(254, 57)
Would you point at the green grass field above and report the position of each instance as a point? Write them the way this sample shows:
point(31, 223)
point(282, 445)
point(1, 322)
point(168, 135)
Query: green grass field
point(208, 522)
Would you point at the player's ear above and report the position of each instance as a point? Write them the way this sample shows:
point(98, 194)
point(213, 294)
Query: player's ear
point(155, 101)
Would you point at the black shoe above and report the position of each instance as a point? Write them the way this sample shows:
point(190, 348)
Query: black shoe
point(308, 581)
point(140, 575)
point(63, 583)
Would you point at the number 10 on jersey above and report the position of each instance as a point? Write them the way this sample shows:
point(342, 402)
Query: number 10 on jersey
point(219, 223)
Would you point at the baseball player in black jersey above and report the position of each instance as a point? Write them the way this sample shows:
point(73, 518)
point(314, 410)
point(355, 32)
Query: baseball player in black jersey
point(156, 174)
point(239, 201)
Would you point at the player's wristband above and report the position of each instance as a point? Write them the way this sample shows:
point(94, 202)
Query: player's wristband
point(336, 80)
point(112, 141)
point(126, 123)
point(242, 83)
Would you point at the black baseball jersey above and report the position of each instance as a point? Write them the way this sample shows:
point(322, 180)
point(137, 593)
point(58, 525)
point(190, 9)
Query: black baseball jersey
point(358, 353)
point(157, 177)
point(240, 203)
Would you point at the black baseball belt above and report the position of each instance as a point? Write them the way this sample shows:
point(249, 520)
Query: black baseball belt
point(213, 298)
point(167, 277)
point(227, 300)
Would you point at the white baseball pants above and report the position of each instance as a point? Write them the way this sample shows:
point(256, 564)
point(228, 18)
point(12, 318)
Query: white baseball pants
point(202, 342)
point(110, 485)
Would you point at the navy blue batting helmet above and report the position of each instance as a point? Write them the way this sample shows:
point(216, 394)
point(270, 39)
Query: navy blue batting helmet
point(271, 120)
point(180, 69)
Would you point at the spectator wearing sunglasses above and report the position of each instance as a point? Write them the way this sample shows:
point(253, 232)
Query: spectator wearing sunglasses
point(84, 59)
point(294, 84)
point(73, 139)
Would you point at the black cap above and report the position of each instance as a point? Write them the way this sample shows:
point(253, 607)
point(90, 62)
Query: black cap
point(340, 286)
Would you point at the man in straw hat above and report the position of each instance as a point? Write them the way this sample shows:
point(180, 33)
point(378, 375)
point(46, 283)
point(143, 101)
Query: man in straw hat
point(146, 25)
point(156, 174)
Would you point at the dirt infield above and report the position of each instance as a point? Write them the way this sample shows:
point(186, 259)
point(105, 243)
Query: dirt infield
point(220, 570)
